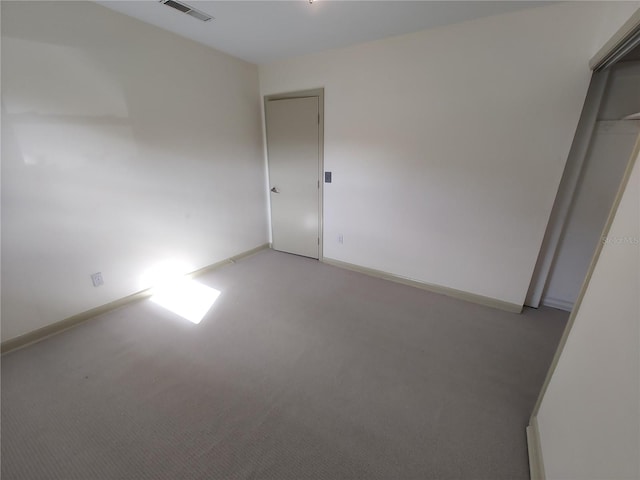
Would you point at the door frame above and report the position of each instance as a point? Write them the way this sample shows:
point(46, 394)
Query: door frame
point(314, 92)
point(619, 44)
point(536, 462)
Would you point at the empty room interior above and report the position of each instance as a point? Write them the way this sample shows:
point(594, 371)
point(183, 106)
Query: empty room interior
point(320, 240)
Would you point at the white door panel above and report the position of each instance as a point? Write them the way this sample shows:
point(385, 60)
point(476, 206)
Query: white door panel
point(293, 151)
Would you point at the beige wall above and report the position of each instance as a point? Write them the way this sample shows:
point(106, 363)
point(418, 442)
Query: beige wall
point(123, 146)
point(447, 145)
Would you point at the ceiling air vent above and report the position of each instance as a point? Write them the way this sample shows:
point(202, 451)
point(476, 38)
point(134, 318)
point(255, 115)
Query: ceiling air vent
point(184, 8)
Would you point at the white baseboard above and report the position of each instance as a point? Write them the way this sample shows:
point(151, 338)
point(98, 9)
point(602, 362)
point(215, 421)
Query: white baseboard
point(451, 292)
point(67, 323)
point(557, 303)
point(536, 465)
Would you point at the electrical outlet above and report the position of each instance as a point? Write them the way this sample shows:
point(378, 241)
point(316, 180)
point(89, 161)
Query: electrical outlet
point(340, 238)
point(97, 280)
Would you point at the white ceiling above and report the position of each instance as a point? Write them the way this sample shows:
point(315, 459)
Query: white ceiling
point(265, 31)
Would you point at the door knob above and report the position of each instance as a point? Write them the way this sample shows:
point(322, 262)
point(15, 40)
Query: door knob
point(275, 190)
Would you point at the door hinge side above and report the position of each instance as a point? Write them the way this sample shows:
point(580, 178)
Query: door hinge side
point(318, 119)
point(318, 240)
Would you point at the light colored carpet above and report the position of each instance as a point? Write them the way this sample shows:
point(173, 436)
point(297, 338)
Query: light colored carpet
point(301, 370)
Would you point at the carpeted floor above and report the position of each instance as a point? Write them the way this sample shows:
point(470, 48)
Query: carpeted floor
point(301, 370)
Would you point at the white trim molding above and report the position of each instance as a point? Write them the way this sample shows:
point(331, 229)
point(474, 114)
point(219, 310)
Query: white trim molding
point(450, 292)
point(536, 464)
point(557, 303)
point(57, 327)
point(608, 54)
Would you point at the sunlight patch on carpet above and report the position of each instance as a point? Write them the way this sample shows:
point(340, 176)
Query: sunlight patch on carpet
point(185, 297)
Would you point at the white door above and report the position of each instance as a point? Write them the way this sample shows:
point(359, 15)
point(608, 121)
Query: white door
point(293, 136)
